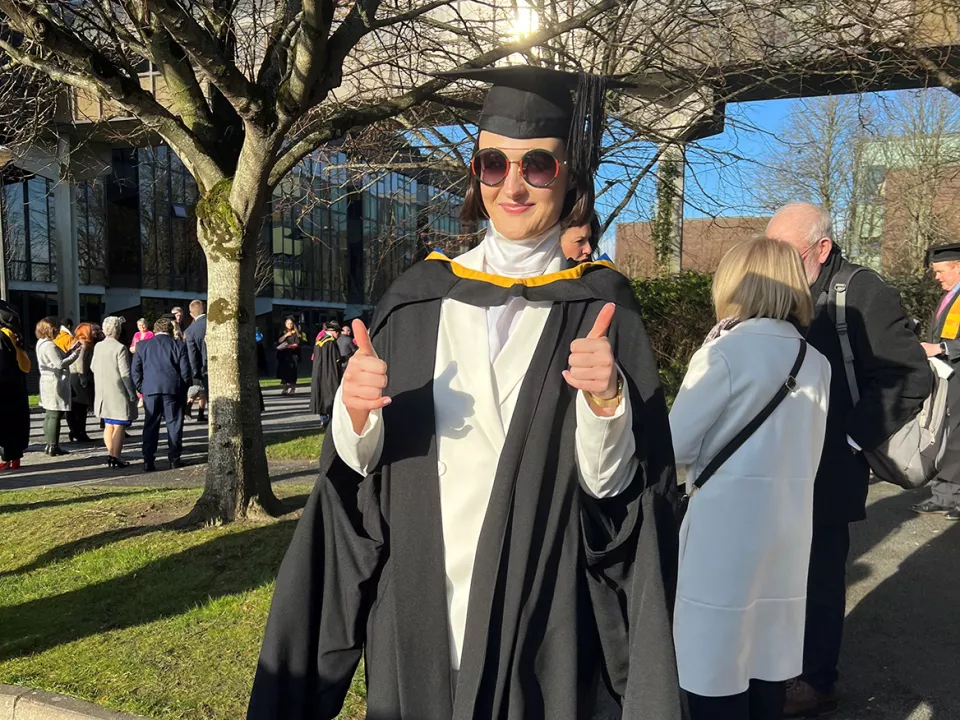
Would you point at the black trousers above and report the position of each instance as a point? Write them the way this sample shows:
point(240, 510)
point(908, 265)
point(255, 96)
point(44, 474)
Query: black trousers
point(77, 419)
point(826, 605)
point(168, 408)
point(762, 701)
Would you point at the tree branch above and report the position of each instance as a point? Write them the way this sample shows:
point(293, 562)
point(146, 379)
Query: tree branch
point(94, 73)
point(339, 124)
point(203, 49)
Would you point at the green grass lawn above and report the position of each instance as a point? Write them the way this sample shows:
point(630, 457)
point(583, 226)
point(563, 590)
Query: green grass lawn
point(98, 600)
point(294, 446)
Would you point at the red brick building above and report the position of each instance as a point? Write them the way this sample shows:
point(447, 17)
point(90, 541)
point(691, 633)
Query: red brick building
point(705, 240)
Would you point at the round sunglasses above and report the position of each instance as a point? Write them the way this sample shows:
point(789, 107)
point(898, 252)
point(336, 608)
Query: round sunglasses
point(538, 168)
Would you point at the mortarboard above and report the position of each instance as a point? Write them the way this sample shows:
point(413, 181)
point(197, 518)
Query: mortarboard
point(943, 253)
point(534, 102)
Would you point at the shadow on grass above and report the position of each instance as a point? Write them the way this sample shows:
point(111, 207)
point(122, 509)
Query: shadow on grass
point(166, 587)
point(78, 547)
point(19, 507)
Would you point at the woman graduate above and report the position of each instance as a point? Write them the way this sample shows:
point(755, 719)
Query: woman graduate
point(493, 526)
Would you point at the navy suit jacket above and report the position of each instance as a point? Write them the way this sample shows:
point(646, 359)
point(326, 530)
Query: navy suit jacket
point(161, 367)
point(196, 339)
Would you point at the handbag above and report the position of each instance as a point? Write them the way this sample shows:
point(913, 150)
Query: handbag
point(731, 447)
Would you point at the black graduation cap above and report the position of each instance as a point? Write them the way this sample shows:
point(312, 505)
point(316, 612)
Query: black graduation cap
point(535, 102)
point(943, 253)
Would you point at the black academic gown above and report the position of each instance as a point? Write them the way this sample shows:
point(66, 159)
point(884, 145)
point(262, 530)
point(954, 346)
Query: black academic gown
point(937, 333)
point(570, 595)
point(326, 376)
point(15, 416)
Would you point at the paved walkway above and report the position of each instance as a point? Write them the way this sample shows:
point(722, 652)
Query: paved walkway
point(86, 463)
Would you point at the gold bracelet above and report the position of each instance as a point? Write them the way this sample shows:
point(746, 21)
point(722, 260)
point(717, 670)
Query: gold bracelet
point(605, 403)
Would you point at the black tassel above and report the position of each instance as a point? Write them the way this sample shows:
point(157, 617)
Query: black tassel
point(586, 129)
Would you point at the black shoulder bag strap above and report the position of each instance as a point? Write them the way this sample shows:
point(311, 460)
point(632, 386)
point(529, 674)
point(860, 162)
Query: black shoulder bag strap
point(788, 387)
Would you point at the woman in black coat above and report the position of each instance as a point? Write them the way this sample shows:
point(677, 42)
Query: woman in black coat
point(14, 366)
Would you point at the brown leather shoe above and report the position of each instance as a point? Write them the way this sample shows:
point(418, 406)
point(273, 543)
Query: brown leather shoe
point(803, 701)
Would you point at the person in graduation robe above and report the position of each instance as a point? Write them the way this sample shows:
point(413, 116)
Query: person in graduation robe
point(326, 373)
point(943, 341)
point(494, 525)
point(14, 367)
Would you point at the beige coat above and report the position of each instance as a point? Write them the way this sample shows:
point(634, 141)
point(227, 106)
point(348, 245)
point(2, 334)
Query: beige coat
point(54, 367)
point(116, 396)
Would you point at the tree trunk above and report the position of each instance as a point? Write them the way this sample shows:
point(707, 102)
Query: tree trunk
point(237, 465)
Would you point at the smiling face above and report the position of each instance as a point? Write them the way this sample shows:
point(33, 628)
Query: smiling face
point(520, 211)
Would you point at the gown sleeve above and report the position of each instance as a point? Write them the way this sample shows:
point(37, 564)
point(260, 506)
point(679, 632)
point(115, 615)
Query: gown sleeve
point(631, 543)
point(360, 452)
point(606, 449)
point(327, 583)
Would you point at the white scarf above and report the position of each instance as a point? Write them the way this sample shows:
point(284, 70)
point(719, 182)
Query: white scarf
point(516, 259)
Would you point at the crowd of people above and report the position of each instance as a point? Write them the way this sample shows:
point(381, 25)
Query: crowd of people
point(89, 370)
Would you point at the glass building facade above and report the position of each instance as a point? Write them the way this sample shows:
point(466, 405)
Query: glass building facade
point(332, 239)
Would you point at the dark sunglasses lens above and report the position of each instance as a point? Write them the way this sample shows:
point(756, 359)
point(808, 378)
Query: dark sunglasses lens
point(539, 168)
point(490, 166)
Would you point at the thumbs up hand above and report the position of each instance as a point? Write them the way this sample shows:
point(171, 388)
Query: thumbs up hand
point(363, 380)
point(592, 368)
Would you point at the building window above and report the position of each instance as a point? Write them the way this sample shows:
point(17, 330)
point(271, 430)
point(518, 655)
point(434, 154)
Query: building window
point(170, 254)
point(29, 227)
point(91, 232)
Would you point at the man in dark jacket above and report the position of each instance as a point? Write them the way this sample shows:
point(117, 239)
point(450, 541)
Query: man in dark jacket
point(161, 372)
point(196, 338)
point(894, 379)
point(944, 342)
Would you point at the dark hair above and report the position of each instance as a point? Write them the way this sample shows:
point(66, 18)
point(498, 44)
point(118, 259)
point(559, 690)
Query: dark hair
point(68, 324)
point(333, 326)
point(163, 325)
point(577, 205)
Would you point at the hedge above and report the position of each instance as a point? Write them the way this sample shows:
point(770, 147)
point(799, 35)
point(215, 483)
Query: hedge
point(677, 311)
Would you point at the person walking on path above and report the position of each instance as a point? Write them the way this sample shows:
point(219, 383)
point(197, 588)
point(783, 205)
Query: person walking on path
point(739, 619)
point(196, 339)
point(14, 367)
point(161, 373)
point(81, 383)
point(326, 373)
point(115, 400)
point(894, 379)
point(54, 366)
point(288, 357)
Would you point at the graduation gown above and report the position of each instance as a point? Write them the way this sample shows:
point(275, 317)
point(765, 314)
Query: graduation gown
point(326, 376)
point(945, 327)
point(15, 418)
point(570, 594)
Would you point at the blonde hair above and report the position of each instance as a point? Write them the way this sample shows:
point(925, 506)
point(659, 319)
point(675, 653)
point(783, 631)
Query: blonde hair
point(762, 278)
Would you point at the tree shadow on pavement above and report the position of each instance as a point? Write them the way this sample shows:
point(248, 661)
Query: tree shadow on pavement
point(902, 640)
point(166, 587)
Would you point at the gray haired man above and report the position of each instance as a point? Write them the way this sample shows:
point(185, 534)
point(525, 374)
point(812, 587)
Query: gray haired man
point(894, 379)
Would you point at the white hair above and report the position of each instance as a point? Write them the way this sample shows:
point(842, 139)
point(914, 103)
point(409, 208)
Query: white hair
point(111, 326)
point(823, 225)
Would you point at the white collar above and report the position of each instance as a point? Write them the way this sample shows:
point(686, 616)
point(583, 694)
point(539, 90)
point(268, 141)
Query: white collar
point(520, 258)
